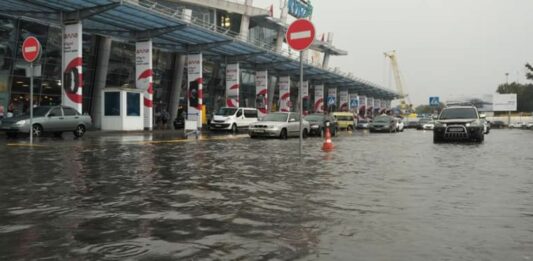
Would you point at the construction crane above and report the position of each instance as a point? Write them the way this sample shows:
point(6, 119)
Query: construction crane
point(405, 102)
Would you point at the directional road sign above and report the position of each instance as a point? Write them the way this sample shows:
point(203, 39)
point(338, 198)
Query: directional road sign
point(300, 34)
point(434, 101)
point(31, 49)
point(354, 103)
point(331, 100)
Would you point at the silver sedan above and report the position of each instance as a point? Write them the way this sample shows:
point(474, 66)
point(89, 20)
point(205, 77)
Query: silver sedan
point(54, 119)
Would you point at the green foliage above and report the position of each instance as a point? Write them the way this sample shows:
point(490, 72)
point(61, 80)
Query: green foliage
point(529, 74)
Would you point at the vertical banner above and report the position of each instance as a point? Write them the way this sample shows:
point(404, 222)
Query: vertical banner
point(144, 78)
point(284, 93)
point(332, 98)
point(362, 107)
point(319, 99)
point(261, 92)
point(343, 100)
point(195, 93)
point(383, 106)
point(377, 105)
point(305, 98)
point(370, 107)
point(72, 94)
point(232, 85)
point(354, 103)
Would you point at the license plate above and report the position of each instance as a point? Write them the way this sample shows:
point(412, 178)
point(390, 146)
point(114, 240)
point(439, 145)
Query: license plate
point(456, 129)
point(218, 125)
point(259, 131)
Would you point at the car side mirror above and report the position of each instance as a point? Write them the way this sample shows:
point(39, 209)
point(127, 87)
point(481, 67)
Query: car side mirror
point(292, 120)
point(482, 116)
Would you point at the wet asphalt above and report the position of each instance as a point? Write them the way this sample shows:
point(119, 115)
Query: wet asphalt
point(154, 196)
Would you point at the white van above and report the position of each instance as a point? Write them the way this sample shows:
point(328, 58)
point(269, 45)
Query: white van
point(227, 118)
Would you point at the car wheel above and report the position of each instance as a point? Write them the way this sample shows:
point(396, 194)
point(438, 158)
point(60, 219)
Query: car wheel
point(58, 134)
point(304, 133)
point(37, 130)
point(283, 134)
point(234, 129)
point(80, 130)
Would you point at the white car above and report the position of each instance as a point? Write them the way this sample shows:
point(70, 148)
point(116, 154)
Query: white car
point(400, 125)
point(517, 125)
point(429, 126)
point(279, 124)
point(227, 118)
point(529, 125)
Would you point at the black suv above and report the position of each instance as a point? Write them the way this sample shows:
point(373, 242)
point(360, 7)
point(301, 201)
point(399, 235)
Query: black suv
point(459, 123)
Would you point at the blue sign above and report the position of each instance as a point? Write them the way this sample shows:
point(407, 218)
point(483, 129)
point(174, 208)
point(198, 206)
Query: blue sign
point(354, 103)
point(299, 9)
point(434, 101)
point(331, 100)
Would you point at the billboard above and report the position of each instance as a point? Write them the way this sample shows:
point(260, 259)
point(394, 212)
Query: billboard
point(284, 94)
point(72, 67)
point(194, 77)
point(144, 78)
point(319, 98)
point(232, 85)
point(344, 99)
point(504, 102)
point(261, 92)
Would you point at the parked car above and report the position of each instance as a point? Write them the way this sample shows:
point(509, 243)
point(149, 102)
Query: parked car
point(48, 119)
point(279, 124)
point(459, 123)
point(345, 120)
point(362, 124)
point(412, 125)
point(421, 123)
point(497, 124)
point(227, 118)
point(519, 124)
point(428, 125)
point(318, 121)
point(529, 125)
point(383, 124)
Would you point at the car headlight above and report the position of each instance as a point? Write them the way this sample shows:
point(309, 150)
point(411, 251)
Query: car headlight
point(467, 124)
point(314, 125)
point(20, 123)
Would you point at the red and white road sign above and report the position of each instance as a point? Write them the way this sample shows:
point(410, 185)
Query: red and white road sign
point(300, 34)
point(31, 49)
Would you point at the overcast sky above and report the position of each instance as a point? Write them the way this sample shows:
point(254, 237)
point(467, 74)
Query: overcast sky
point(446, 48)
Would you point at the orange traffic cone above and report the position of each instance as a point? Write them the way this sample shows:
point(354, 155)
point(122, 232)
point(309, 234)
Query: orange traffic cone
point(328, 145)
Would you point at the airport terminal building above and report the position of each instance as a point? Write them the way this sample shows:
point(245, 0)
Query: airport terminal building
point(200, 54)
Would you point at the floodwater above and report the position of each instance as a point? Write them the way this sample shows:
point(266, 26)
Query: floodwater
point(376, 197)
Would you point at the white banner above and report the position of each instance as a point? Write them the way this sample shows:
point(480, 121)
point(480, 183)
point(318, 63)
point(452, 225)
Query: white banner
point(144, 78)
point(305, 97)
point(261, 92)
point(504, 102)
point(354, 102)
point(72, 94)
point(319, 99)
point(362, 106)
point(332, 97)
point(343, 100)
point(232, 85)
point(284, 93)
point(195, 93)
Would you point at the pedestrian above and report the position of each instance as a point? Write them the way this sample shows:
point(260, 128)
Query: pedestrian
point(165, 116)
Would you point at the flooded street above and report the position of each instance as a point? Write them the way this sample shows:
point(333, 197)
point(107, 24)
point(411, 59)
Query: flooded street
point(376, 197)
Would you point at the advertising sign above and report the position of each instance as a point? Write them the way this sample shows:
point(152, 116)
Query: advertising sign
point(284, 93)
point(362, 106)
point(72, 67)
point(195, 92)
point(144, 78)
point(319, 99)
point(332, 97)
point(354, 102)
point(504, 102)
point(261, 92)
point(232, 85)
point(299, 9)
point(344, 99)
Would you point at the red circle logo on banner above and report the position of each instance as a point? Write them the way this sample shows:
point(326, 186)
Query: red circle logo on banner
point(31, 49)
point(300, 34)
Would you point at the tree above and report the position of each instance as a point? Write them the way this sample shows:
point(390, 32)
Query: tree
point(529, 74)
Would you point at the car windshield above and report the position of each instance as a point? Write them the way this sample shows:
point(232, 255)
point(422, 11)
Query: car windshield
point(382, 119)
point(38, 111)
point(343, 118)
point(314, 117)
point(363, 121)
point(424, 121)
point(281, 117)
point(226, 111)
point(458, 113)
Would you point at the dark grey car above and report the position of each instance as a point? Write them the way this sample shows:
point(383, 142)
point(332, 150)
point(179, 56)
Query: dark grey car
point(317, 121)
point(53, 119)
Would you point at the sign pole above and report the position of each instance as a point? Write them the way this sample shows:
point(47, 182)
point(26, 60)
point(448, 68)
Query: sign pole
point(300, 98)
point(31, 103)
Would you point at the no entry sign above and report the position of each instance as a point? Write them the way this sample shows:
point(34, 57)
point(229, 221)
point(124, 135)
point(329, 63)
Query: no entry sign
point(301, 34)
point(31, 49)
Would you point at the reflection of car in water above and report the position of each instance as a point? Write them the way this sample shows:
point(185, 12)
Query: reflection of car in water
point(459, 123)
point(317, 123)
point(279, 124)
point(53, 119)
